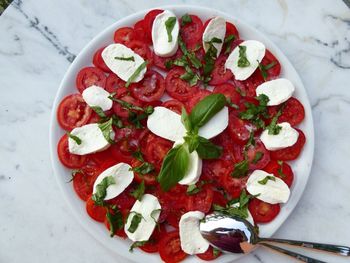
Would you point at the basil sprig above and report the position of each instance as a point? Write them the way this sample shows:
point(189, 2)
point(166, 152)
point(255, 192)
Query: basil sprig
point(136, 73)
point(266, 179)
point(242, 60)
point(169, 25)
point(101, 190)
point(74, 138)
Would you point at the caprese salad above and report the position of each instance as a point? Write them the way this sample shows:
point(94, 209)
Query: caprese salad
point(177, 119)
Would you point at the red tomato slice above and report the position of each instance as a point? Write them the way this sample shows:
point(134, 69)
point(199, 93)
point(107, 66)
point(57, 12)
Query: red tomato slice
point(170, 248)
point(216, 170)
point(275, 71)
point(149, 179)
point(219, 199)
point(97, 213)
point(293, 112)
point(197, 97)
point(115, 84)
point(67, 159)
point(152, 245)
point(140, 33)
point(263, 212)
point(123, 35)
point(120, 111)
point(234, 186)
point(156, 149)
point(253, 151)
point(73, 112)
point(99, 62)
point(225, 141)
point(202, 200)
point(160, 62)
point(283, 171)
point(231, 30)
point(220, 74)
point(191, 33)
point(292, 152)
point(239, 129)
point(141, 49)
point(151, 88)
point(148, 23)
point(209, 255)
point(90, 76)
point(229, 91)
point(177, 88)
point(174, 105)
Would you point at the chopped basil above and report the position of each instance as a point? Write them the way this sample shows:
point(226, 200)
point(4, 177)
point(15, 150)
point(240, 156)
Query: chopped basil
point(139, 191)
point(169, 25)
point(257, 157)
point(266, 179)
point(240, 169)
point(264, 68)
point(117, 122)
point(241, 92)
point(273, 128)
point(190, 76)
point(138, 155)
point(136, 73)
point(232, 105)
point(99, 112)
point(125, 58)
point(214, 40)
point(154, 213)
point(101, 190)
point(168, 64)
point(190, 55)
point(186, 19)
point(74, 138)
point(255, 113)
point(126, 105)
point(107, 130)
point(137, 244)
point(209, 59)
point(228, 41)
point(74, 173)
point(192, 189)
point(242, 60)
point(114, 219)
point(216, 252)
point(135, 221)
point(280, 169)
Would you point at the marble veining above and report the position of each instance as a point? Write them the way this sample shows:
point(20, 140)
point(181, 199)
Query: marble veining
point(39, 39)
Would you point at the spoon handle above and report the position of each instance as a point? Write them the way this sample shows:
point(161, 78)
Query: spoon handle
point(341, 250)
point(299, 257)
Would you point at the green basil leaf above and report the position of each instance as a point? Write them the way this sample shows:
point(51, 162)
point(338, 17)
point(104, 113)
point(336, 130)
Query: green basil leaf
point(186, 19)
point(205, 109)
point(257, 157)
point(107, 130)
point(208, 150)
point(137, 244)
point(189, 76)
point(228, 41)
point(192, 189)
point(273, 128)
point(74, 173)
point(174, 167)
point(264, 68)
point(144, 168)
point(185, 119)
point(169, 25)
point(139, 191)
point(168, 64)
point(74, 138)
point(117, 122)
point(125, 58)
point(240, 169)
point(138, 155)
point(99, 111)
point(135, 221)
point(266, 179)
point(256, 113)
point(114, 219)
point(242, 60)
point(280, 170)
point(192, 141)
point(216, 252)
point(126, 105)
point(136, 73)
point(190, 55)
point(154, 213)
point(101, 190)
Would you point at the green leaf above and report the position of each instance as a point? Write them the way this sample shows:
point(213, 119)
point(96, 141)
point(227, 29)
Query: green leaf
point(74, 173)
point(190, 55)
point(144, 168)
point(185, 119)
point(186, 19)
point(214, 40)
point(192, 189)
point(107, 130)
point(256, 113)
point(169, 25)
point(114, 219)
point(227, 42)
point(205, 109)
point(208, 150)
point(101, 190)
point(117, 122)
point(99, 112)
point(137, 244)
point(266, 179)
point(273, 128)
point(264, 68)
point(125, 58)
point(139, 191)
point(135, 221)
point(209, 62)
point(257, 157)
point(280, 169)
point(192, 141)
point(154, 213)
point(242, 60)
point(240, 169)
point(189, 76)
point(168, 63)
point(174, 167)
point(126, 105)
point(136, 73)
point(74, 138)
point(216, 252)
point(138, 155)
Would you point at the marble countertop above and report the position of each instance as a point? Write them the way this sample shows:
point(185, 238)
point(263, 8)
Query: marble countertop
point(39, 39)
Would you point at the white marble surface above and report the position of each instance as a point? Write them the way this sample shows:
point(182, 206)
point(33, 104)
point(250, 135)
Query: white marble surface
point(40, 38)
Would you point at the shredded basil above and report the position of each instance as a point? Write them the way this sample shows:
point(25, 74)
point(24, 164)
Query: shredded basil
point(216, 252)
point(74, 173)
point(280, 169)
point(169, 25)
point(192, 189)
point(125, 58)
point(240, 169)
point(114, 219)
point(137, 244)
point(186, 19)
point(266, 179)
point(242, 60)
point(144, 168)
point(136, 73)
point(135, 221)
point(255, 113)
point(139, 191)
point(101, 190)
point(264, 68)
point(99, 112)
point(74, 138)
point(107, 130)
point(273, 128)
point(228, 41)
point(257, 157)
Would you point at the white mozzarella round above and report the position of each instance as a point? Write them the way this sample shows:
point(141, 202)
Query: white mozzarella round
point(123, 176)
point(124, 69)
point(286, 137)
point(278, 90)
point(149, 208)
point(215, 28)
point(273, 192)
point(191, 239)
point(255, 52)
point(161, 45)
point(92, 140)
point(97, 96)
point(216, 125)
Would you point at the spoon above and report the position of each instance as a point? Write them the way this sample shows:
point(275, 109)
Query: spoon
point(237, 235)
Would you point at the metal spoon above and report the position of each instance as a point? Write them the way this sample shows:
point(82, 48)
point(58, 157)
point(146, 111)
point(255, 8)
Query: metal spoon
point(237, 235)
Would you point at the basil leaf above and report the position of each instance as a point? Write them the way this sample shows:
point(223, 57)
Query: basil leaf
point(186, 19)
point(189, 76)
point(74, 173)
point(107, 130)
point(144, 168)
point(154, 213)
point(215, 40)
point(267, 178)
point(138, 155)
point(191, 56)
point(135, 221)
point(273, 128)
point(216, 252)
point(240, 169)
point(174, 167)
point(185, 119)
point(125, 58)
point(114, 219)
point(233, 211)
point(117, 122)
point(99, 111)
point(101, 190)
point(139, 191)
point(264, 68)
point(192, 141)
point(168, 64)
point(136, 73)
point(137, 244)
point(208, 150)
point(255, 113)
point(228, 41)
point(209, 59)
point(205, 109)
point(257, 157)
point(169, 25)
point(242, 60)
point(74, 138)
point(192, 189)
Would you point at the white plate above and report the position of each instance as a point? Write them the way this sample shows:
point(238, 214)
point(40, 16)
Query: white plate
point(301, 167)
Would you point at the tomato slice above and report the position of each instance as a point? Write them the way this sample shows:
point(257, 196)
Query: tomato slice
point(140, 33)
point(149, 179)
point(123, 35)
point(170, 248)
point(67, 159)
point(231, 30)
point(142, 49)
point(124, 201)
point(229, 91)
point(281, 170)
point(293, 112)
point(202, 200)
point(120, 232)
point(174, 105)
point(219, 199)
point(152, 245)
point(215, 170)
point(209, 254)
point(258, 156)
point(234, 186)
point(99, 62)
point(114, 84)
point(98, 213)
point(148, 23)
point(156, 149)
point(263, 212)
point(177, 88)
point(220, 74)
point(120, 111)
point(73, 112)
point(151, 88)
point(191, 33)
point(197, 97)
point(292, 152)
point(239, 129)
point(90, 76)
point(160, 62)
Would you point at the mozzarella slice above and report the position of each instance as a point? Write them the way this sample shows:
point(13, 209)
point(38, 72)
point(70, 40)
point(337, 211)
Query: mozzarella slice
point(278, 90)
point(194, 170)
point(123, 177)
point(273, 192)
point(191, 239)
point(216, 125)
point(92, 140)
point(124, 69)
point(97, 96)
point(255, 51)
point(286, 137)
point(249, 218)
point(215, 28)
point(161, 45)
point(166, 124)
point(149, 208)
